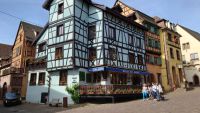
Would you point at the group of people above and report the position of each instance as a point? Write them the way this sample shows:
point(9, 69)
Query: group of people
point(153, 91)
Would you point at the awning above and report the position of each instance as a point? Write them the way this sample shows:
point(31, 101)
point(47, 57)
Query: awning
point(98, 69)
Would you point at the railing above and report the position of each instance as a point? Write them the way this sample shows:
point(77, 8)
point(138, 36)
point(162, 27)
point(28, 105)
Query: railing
point(153, 50)
point(109, 89)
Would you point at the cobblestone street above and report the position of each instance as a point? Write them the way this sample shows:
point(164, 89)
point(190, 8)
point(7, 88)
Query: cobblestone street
point(179, 101)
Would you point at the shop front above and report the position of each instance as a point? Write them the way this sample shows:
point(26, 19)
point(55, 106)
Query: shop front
point(112, 81)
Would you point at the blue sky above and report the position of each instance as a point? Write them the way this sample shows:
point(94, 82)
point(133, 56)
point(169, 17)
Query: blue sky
point(184, 12)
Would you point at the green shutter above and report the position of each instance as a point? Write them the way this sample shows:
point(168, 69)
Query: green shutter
point(153, 43)
point(159, 62)
point(158, 45)
point(151, 59)
point(149, 42)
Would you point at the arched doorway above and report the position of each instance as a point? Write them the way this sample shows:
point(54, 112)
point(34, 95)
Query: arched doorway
point(4, 89)
point(196, 80)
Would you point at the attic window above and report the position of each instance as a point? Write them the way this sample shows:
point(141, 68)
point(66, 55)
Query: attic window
point(61, 8)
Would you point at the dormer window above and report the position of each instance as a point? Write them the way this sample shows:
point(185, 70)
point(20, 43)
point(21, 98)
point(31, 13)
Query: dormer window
point(61, 8)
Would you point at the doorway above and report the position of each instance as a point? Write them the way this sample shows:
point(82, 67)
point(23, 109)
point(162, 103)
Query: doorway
point(4, 89)
point(196, 80)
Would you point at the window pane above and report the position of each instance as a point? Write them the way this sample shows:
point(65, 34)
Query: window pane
point(41, 79)
point(92, 32)
point(33, 79)
point(61, 8)
point(63, 78)
point(60, 30)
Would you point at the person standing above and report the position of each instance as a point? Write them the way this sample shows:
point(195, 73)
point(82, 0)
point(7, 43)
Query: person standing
point(154, 91)
point(145, 92)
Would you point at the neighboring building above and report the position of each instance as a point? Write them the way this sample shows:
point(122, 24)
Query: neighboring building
point(5, 62)
point(37, 87)
point(93, 46)
point(190, 43)
point(152, 40)
point(22, 51)
point(171, 54)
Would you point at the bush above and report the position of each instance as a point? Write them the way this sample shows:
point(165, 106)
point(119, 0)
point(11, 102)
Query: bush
point(74, 91)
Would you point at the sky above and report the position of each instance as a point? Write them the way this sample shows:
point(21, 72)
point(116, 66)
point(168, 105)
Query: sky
point(184, 12)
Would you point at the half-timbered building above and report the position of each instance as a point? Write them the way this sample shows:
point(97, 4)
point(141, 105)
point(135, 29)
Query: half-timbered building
point(94, 46)
point(152, 40)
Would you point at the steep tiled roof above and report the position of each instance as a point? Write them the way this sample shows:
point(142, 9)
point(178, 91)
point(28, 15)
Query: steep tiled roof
point(41, 33)
point(30, 30)
point(146, 17)
point(5, 50)
point(191, 32)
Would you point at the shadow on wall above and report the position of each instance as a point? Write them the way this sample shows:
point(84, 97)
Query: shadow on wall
point(34, 94)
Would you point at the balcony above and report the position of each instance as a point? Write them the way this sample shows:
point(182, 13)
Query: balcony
point(109, 90)
point(153, 50)
point(153, 35)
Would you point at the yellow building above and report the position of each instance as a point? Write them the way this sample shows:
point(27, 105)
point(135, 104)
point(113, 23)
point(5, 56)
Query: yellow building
point(172, 72)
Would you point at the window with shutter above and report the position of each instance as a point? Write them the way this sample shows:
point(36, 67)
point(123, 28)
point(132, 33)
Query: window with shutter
point(59, 53)
point(63, 78)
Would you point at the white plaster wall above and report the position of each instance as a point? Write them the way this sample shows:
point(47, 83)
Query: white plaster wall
point(58, 91)
point(190, 72)
point(194, 44)
point(33, 94)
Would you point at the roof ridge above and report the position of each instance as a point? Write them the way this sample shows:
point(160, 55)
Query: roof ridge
point(32, 24)
point(195, 34)
point(5, 44)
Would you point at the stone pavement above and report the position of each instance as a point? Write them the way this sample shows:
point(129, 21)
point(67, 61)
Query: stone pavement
point(179, 101)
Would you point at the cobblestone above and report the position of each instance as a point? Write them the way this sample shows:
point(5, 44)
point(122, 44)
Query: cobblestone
point(179, 101)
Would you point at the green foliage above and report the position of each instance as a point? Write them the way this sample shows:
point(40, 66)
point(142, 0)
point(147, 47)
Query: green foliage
point(74, 91)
